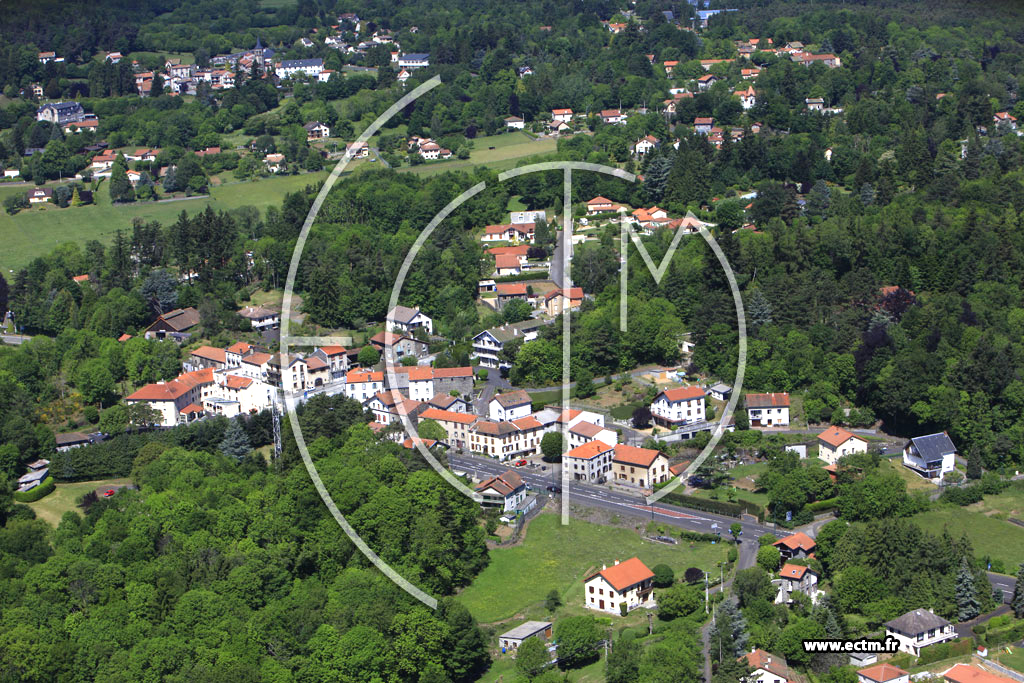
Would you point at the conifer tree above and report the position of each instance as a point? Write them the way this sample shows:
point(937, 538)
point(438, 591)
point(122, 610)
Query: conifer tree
point(236, 442)
point(966, 596)
point(1017, 602)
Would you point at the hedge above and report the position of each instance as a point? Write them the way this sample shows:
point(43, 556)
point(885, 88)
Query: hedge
point(697, 536)
point(721, 507)
point(823, 505)
point(934, 653)
point(32, 495)
point(522, 277)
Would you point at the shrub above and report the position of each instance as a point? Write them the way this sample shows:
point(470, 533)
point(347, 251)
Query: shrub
point(32, 495)
point(934, 653)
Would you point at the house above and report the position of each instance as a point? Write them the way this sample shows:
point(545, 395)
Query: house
point(430, 151)
point(510, 291)
point(511, 405)
point(414, 60)
point(261, 318)
point(234, 354)
point(968, 673)
point(511, 640)
point(706, 81)
point(883, 673)
point(274, 162)
point(590, 461)
point(449, 403)
point(514, 123)
point(45, 57)
point(388, 407)
point(256, 365)
point(702, 125)
point(706, 64)
point(612, 116)
point(507, 264)
point(645, 145)
point(748, 97)
point(288, 372)
point(65, 442)
point(414, 381)
point(317, 131)
point(584, 432)
point(520, 251)
point(178, 401)
point(767, 668)
point(836, 442)
point(720, 392)
point(334, 356)
point(293, 67)
point(146, 155)
point(408, 320)
point(669, 66)
point(814, 103)
point(39, 195)
point(561, 115)
point(233, 394)
point(1005, 117)
point(601, 205)
point(628, 583)
point(509, 232)
point(363, 384)
point(767, 410)
point(931, 456)
point(643, 467)
point(455, 424)
point(798, 545)
point(394, 346)
point(504, 440)
point(458, 380)
point(807, 58)
point(918, 629)
point(559, 300)
point(207, 357)
point(750, 74)
point(796, 578)
point(527, 217)
point(174, 324)
point(113, 57)
point(505, 491)
point(357, 150)
point(487, 345)
point(673, 407)
point(60, 112)
point(11, 173)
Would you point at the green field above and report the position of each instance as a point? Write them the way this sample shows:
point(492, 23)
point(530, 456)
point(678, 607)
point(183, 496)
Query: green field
point(35, 232)
point(1009, 503)
point(52, 507)
point(989, 536)
point(509, 150)
point(1013, 659)
point(559, 557)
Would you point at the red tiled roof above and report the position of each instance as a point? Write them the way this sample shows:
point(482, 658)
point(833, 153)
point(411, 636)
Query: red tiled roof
point(631, 455)
point(358, 376)
point(448, 373)
point(625, 574)
point(257, 358)
point(517, 250)
point(316, 363)
point(210, 353)
point(589, 450)
point(511, 288)
point(420, 373)
point(447, 416)
point(798, 540)
point(682, 394)
point(587, 429)
point(759, 659)
point(792, 571)
point(528, 422)
point(170, 391)
point(506, 261)
point(237, 382)
point(881, 673)
point(965, 673)
point(574, 293)
point(767, 400)
point(239, 348)
point(333, 350)
point(837, 436)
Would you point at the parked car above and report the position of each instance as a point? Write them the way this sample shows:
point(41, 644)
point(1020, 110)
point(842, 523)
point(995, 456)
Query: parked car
point(554, 489)
point(520, 463)
point(108, 493)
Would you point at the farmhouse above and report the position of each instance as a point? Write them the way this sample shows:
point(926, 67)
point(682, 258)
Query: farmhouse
point(628, 583)
point(673, 407)
point(561, 115)
point(511, 640)
point(835, 442)
point(174, 324)
point(643, 467)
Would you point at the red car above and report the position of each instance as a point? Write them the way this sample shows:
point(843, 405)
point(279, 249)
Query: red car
point(108, 493)
point(521, 463)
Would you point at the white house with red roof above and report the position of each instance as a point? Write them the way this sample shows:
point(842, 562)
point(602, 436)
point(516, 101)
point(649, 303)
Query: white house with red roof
point(628, 583)
point(767, 668)
point(504, 491)
point(509, 232)
point(584, 432)
point(362, 384)
point(882, 673)
point(507, 264)
point(613, 116)
point(1005, 117)
point(601, 205)
point(591, 461)
point(796, 578)
point(767, 410)
point(673, 407)
point(179, 400)
point(645, 145)
point(562, 115)
point(836, 442)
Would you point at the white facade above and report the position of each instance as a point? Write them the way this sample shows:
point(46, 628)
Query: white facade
point(361, 385)
point(496, 411)
point(590, 462)
point(679, 411)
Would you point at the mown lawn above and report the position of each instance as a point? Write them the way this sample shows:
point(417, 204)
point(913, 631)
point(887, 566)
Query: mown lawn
point(553, 556)
point(914, 482)
point(36, 231)
point(51, 508)
point(989, 536)
point(1013, 659)
point(509, 150)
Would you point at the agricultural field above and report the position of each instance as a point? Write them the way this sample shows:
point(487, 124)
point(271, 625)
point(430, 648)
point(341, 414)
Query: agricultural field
point(36, 231)
point(554, 556)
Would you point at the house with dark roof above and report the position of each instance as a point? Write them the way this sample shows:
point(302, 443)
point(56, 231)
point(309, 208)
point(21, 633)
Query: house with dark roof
point(510, 405)
point(487, 345)
point(674, 407)
point(60, 112)
point(173, 324)
point(918, 629)
point(628, 583)
point(511, 640)
point(394, 346)
point(930, 456)
point(408, 320)
point(317, 131)
point(292, 67)
point(65, 442)
point(261, 317)
point(504, 491)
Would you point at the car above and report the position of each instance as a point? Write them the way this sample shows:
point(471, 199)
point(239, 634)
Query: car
point(554, 489)
point(666, 539)
point(108, 493)
point(543, 468)
point(520, 463)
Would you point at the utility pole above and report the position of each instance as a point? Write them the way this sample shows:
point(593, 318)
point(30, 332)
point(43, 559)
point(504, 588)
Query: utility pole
point(705, 592)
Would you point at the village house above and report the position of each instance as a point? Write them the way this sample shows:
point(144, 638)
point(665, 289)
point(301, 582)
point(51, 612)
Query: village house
point(335, 357)
point(455, 424)
point(414, 60)
point(702, 125)
point(807, 58)
point(514, 123)
point(317, 131)
point(363, 384)
point(767, 410)
point(673, 407)
point(294, 67)
point(458, 380)
point(590, 461)
point(561, 115)
point(173, 324)
point(60, 112)
point(178, 401)
point(918, 629)
point(795, 578)
point(274, 162)
point(706, 81)
point(388, 407)
point(487, 345)
point(612, 116)
point(505, 440)
point(256, 365)
point(511, 640)
point(39, 195)
point(509, 232)
point(748, 97)
point(798, 545)
point(836, 442)
point(287, 372)
point(882, 673)
point(559, 300)
point(643, 467)
point(231, 395)
point(767, 668)
point(644, 146)
point(930, 456)
point(503, 491)
point(261, 318)
point(814, 103)
point(510, 291)
point(584, 432)
point(507, 264)
point(720, 391)
point(510, 405)
point(415, 382)
point(628, 583)
point(408, 320)
point(450, 403)
point(969, 673)
point(357, 150)
point(207, 357)
point(1005, 117)
point(601, 205)
point(669, 65)
point(393, 347)
point(234, 354)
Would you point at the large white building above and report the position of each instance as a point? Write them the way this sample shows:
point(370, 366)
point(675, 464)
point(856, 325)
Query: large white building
point(767, 410)
point(591, 461)
point(629, 582)
point(293, 67)
point(673, 407)
point(408, 320)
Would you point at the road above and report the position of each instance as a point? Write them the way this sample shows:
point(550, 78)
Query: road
point(555, 274)
point(14, 338)
point(1003, 583)
point(623, 503)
